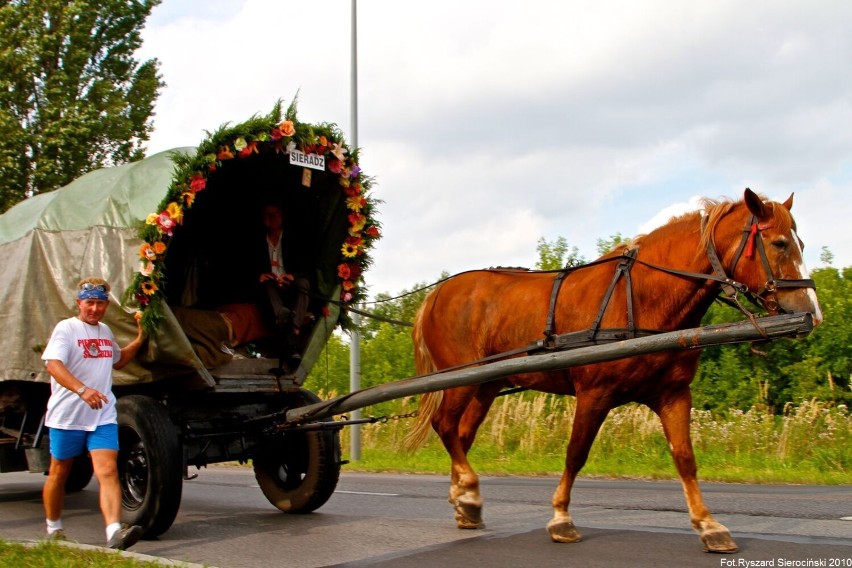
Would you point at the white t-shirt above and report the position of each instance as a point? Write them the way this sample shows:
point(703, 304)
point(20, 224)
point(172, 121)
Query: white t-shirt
point(88, 352)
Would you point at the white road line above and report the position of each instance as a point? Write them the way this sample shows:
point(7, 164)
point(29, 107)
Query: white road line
point(369, 493)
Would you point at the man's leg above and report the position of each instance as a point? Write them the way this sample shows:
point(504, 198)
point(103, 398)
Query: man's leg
point(103, 446)
point(105, 463)
point(53, 493)
point(65, 445)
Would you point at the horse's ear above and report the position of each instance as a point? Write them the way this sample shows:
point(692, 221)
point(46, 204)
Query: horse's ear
point(789, 203)
point(754, 204)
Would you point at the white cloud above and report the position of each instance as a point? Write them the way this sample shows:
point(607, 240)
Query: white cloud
point(489, 125)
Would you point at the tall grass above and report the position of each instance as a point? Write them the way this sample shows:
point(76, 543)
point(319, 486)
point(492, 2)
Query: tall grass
point(527, 434)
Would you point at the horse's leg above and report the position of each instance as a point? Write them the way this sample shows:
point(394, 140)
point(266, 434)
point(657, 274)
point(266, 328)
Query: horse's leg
point(675, 416)
point(448, 423)
point(588, 417)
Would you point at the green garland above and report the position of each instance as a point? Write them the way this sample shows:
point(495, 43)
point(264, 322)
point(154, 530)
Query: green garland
point(270, 133)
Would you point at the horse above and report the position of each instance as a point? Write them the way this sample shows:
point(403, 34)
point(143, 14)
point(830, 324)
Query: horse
point(666, 281)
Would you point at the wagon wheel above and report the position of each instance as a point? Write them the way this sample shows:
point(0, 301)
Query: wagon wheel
point(149, 465)
point(81, 473)
point(298, 471)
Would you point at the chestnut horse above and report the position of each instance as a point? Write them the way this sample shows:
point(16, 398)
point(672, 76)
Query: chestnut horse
point(677, 273)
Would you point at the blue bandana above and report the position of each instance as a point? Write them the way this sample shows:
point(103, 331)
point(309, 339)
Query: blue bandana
point(93, 292)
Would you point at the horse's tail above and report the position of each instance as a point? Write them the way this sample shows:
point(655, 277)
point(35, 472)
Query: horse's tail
point(430, 401)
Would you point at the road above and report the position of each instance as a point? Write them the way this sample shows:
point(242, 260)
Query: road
point(404, 520)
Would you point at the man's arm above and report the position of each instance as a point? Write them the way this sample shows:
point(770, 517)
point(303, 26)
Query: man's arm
point(129, 351)
point(65, 378)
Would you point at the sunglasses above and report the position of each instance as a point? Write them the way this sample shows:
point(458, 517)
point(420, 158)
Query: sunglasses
point(88, 287)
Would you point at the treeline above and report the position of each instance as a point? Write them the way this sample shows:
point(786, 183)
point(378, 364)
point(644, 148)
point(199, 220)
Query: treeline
point(768, 375)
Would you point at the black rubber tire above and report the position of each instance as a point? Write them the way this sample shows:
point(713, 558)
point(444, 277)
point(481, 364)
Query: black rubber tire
point(149, 465)
point(81, 473)
point(298, 471)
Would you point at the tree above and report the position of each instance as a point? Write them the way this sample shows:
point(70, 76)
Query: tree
point(557, 255)
point(606, 245)
point(72, 96)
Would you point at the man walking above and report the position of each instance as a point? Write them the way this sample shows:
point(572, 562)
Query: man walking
point(81, 414)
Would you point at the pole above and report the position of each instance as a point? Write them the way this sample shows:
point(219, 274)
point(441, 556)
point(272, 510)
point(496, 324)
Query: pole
point(786, 325)
point(355, 340)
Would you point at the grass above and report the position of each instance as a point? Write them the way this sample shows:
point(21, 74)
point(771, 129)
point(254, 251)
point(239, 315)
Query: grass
point(48, 554)
point(810, 443)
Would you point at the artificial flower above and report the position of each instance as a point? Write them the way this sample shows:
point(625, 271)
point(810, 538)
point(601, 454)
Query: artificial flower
point(146, 252)
point(291, 146)
point(146, 268)
point(224, 154)
point(349, 250)
point(148, 287)
point(287, 128)
point(210, 158)
point(343, 271)
point(142, 299)
point(276, 134)
point(373, 231)
point(240, 143)
point(355, 203)
point(188, 198)
point(338, 150)
point(159, 247)
point(344, 182)
point(356, 222)
point(197, 182)
point(323, 141)
point(325, 311)
point(151, 219)
point(250, 149)
point(165, 223)
point(355, 171)
point(348, 285)
point(175, 212)
point(334, 166)
point(352, 189)
point(346, 297)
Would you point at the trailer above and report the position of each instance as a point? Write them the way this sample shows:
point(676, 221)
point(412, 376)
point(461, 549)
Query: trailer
point(212, 384)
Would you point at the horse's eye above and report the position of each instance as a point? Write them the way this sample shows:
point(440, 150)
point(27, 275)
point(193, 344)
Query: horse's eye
point(780, 243)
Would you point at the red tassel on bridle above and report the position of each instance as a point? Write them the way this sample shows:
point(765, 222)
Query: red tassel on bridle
point(753, 235)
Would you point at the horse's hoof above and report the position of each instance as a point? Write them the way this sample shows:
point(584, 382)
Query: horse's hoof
point(468, 515)
point(563, 531)
point(717, 539)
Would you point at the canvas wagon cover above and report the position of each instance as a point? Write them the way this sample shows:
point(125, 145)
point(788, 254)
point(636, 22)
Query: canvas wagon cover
point(51, 241)
point(98, 224)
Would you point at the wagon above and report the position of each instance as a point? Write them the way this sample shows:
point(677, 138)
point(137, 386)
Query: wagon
point(212, 383)
point(177, 231)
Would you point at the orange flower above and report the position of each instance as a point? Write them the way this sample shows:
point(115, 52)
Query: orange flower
point(224, 153)
point(146, 252)
point(348, 285)
point(188, 198)
point(373, 231)
point(287, 128)
point(159, 247)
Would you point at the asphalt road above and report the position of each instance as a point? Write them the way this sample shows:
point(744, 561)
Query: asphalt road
point(404, 520)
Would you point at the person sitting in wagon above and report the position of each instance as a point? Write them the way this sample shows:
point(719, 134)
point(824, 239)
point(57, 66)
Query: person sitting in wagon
point(286, 293)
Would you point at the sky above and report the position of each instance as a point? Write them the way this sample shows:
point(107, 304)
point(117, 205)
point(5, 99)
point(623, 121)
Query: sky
point(488, 126)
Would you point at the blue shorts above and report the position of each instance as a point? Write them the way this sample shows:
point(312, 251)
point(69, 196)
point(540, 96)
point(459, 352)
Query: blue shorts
point(67, 444)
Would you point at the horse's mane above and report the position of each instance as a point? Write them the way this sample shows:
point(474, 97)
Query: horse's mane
point(714, 210)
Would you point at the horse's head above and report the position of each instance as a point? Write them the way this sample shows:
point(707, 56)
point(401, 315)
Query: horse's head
point(757, 240)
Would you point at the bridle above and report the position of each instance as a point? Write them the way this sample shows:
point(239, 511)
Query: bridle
point(766, 295)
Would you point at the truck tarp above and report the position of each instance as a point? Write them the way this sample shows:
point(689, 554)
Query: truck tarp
point(51, 241)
